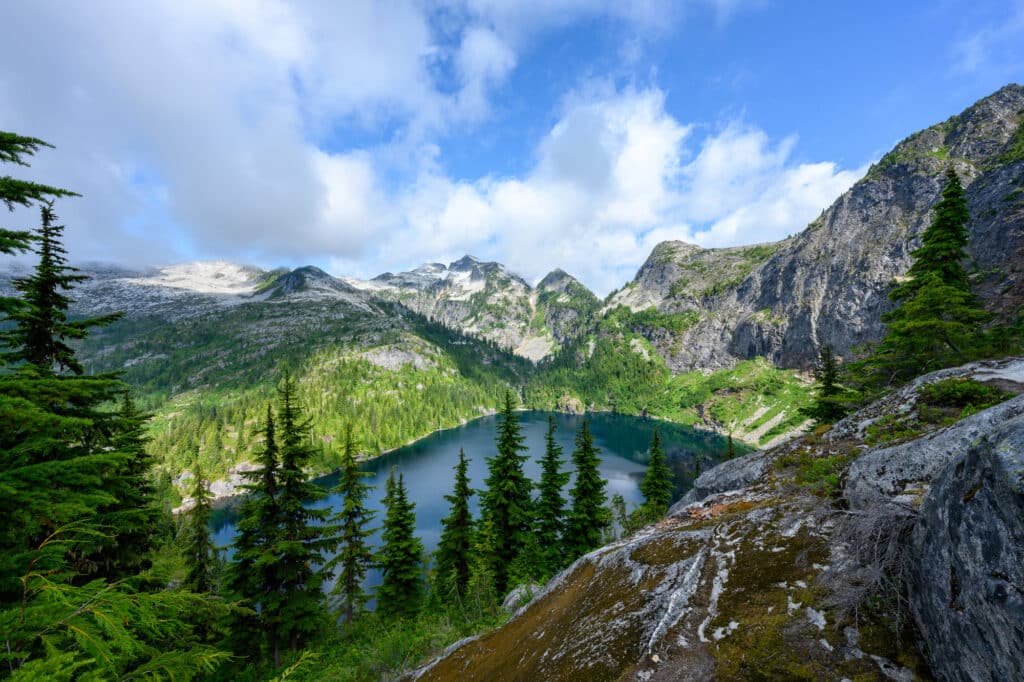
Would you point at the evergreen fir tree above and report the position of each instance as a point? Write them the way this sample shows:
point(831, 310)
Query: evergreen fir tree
point(13, 192)
point(401, 590)
point(454, 558)
point(41, 325)
point(589, 516)
point(730, 447)
point(200, 552)
point(658, 483)
point(551, 503)
point(506, 503)
point(68, 480)
point(252, 574)
point(304, 537)
point(355, 557)
point(135, 520)
point(828, 407)
point(938, 320)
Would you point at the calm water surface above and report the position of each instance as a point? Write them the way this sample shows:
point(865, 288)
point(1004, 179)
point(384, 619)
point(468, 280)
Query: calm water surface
point(428, 464)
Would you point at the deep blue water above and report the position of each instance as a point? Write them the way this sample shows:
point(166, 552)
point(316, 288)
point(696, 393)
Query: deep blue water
point(428, 464)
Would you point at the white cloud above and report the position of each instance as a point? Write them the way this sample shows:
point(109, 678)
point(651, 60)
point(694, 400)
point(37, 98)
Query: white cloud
point(614, 177)
point(192, 129)
point(992, 50)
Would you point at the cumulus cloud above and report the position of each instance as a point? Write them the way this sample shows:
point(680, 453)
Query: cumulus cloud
point(207, 129)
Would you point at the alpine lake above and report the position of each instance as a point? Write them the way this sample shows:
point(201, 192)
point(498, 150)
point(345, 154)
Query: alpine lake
point(428, 465)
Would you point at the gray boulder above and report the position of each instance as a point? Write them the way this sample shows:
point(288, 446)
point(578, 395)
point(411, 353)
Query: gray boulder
point(731, 475)
point(967, 581)
point(909, 468)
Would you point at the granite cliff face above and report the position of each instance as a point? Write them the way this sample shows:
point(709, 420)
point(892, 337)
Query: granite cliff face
point(760, 571)
point(829, 284)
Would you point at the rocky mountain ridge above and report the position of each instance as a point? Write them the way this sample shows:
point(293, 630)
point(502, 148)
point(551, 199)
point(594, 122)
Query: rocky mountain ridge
point(829, 283)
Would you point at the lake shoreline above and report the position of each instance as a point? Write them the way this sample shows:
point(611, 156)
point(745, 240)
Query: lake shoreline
point(232, 494)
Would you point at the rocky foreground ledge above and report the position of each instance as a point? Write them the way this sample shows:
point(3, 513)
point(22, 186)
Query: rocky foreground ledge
point(783, 565)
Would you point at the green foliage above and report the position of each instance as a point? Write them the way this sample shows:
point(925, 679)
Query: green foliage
point(649, 319)
point(505, 505)
point(938, 320)
point(355, 557)
point(550, 515)
point(822, 475)
point(75, 597)
point(304, 537)
point(890, 428)
point(830, 400)
point(40, 321)
point(99, 630)
point(657, 486)
point(401, 592)
point(200, 553)
point(454, 558)
point(961, 393)
point(1015, 147)
point(589, 516)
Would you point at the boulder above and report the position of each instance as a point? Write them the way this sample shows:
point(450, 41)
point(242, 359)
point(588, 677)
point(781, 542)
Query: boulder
point(730, 475)
point(966, 583)
point(908, 469)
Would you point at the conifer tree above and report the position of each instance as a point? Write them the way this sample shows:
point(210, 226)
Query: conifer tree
point(454, 556)
point(41, 325)
point(304, 537)
point(589, 516)
point(135, 520)
point(355, 557)
point(937, 321)
point(252, 574)
point(551, 503)
point(67, 480)
point(657, 485)
point(401, 590)
point(200, 552)
point(827, 407)
point(13, 192)
point(730, 447)
point(506, 503)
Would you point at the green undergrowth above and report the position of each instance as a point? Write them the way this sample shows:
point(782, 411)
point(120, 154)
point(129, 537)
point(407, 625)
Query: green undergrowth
point(939, 404)
point(753, 400)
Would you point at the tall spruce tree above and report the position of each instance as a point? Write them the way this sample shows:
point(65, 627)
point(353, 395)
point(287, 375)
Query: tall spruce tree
point(506, 503)
point(658, 482)
point(589, 516)
point(252, 574)
point(828, 406)
point(41, 325)
point(201, 555)
point(937, 321)
point(551, 503)
point(355, 557)
point(304, 537)
point(454, 558)
point(401, 558)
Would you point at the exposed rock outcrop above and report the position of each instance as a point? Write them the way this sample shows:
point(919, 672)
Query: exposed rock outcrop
point(967, 585)
point(739, 580)
point(829, 284)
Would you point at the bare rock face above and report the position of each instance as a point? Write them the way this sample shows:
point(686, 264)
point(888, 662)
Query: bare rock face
point(967, 587)
point(830, 283)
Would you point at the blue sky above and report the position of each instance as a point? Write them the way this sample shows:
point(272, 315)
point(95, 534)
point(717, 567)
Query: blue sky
point(365, 137)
